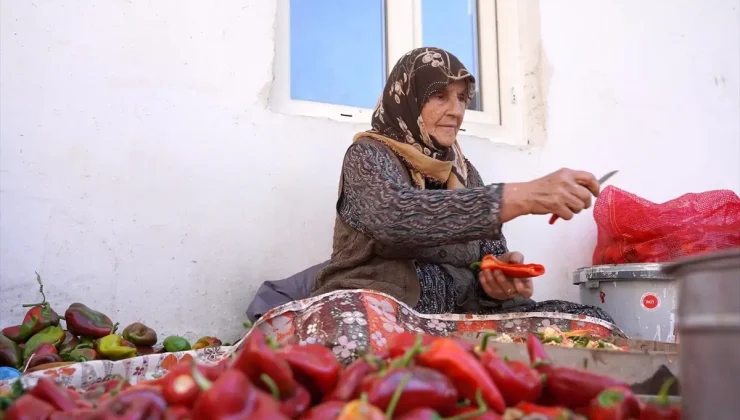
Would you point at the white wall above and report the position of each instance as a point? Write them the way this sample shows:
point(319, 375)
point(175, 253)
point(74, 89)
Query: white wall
point(142, 173)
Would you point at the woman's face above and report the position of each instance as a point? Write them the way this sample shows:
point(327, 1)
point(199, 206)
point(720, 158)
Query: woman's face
point(444, 111)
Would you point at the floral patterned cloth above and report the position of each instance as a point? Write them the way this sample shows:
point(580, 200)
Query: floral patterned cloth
point(350, 322)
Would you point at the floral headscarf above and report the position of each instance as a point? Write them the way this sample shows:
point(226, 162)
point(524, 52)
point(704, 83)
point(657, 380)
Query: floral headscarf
point(397, 118)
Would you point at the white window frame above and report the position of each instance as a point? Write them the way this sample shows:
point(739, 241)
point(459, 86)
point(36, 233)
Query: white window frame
point(510, 70)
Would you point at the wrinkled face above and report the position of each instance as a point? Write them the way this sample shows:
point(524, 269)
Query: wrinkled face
point(444, 111)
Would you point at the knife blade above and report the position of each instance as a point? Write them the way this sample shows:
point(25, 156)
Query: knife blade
point(601, 180)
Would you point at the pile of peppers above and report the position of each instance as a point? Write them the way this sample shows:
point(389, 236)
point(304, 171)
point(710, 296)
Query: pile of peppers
point(419, 377)
point(87, 335)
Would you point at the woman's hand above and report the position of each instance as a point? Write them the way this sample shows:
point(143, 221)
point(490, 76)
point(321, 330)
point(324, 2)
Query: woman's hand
point(499, 286)
point(563, 193)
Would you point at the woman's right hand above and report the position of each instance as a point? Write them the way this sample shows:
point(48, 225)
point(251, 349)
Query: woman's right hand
point(564, 193)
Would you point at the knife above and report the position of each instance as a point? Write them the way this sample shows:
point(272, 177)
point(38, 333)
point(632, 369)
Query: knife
point(601, 180)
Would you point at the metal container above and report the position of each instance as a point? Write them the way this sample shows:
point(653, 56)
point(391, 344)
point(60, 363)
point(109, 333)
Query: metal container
point(640, 297)
point(709, 331)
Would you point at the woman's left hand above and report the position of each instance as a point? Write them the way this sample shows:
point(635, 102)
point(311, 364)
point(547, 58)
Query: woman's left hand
point(500, 286)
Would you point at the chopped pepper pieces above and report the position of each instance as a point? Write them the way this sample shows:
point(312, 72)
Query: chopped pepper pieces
point(83, 321)
point(139, 334)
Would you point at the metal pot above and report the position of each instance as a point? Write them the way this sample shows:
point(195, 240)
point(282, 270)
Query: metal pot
point(709, 334)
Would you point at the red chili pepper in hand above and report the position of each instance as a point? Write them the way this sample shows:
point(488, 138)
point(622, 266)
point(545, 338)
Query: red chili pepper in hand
point(257, 358)
point(575, 388)
point(614, 404)
point(232, 396)
point(313, 365)
point(522, 271)
point(58, 397)
point(446, 356)
point(28, 407)
point(662, 409)
point(423, 387)
point(326, 411)
point(296, 404)
point(350, 379)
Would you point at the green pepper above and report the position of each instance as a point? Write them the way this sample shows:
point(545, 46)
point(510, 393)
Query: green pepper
point(204, 342)
point(82, 320)
point(53, 335)
point(10, 353)
point(112, 347)
point(83, 354)
point(140, 334)
point(175, 343)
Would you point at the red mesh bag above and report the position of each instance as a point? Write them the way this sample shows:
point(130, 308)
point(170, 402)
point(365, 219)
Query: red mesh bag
point(634, 230)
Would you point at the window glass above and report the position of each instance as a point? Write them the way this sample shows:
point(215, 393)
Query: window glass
point(453, 25)
point(337, 51)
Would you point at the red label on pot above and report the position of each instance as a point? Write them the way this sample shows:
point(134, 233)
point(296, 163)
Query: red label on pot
point(650, 301)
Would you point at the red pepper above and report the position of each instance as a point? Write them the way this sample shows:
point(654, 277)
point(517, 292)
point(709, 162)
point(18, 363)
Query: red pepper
point(538, 356)
point(177, 412)
point(296, 404)
point(40, 316)
point(326, 411)
point(350, 379)
point(78, 414)
point(44, 353)
point(102, 389)
point(575, 388)
point(257, 358)
point(423, 387)
point(525, 271)
point(313, 365)
point(421, 414)
point(554, 413)
point(58, 397)
point(233, 397)
point(84, 321)
point(361, 410)
point(614, 404)
point(662, 409)
point(464, 412)
point(134, 404)
point(28, 407)
point(446, 356)
point(516, 380)
point(179, 388)
point(400, 343)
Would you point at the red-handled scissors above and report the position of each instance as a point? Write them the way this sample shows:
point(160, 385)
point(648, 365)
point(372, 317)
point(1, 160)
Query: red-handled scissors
point(602, 180)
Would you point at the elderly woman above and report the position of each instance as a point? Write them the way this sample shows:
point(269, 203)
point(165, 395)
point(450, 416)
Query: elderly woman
point(414, 213)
